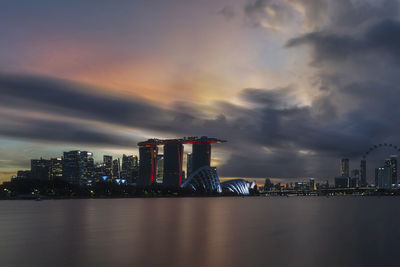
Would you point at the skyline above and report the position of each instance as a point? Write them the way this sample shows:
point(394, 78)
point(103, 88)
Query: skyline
point(293, 85)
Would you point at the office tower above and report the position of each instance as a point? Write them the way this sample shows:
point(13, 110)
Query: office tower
point(116, 169)
point(201, 155)
point(86, 167)
point(363, 173)
point(189, 166)
point(173, 160)
point(376, 176)
point(312, 184)
point(56, 169)
point(147, 165)
point(129, 168)
point(108, 164)
point(393, 164)
point(78, 166)
point(160, 167)
point(385, 177)
point(71, 166)
point(345, 168)
point(40, 169)
point(355, 178)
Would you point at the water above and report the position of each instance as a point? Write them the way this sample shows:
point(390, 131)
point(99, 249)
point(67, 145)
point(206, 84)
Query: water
point(276, 231)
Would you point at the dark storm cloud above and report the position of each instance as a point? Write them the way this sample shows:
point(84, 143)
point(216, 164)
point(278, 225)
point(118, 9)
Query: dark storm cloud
point(270, 123)
point(61, 131)
point(73, 99)
point(381, 39)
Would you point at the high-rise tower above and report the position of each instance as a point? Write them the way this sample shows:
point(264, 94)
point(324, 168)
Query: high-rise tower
point(147, 165)
point(345, 168)
point(173, 160)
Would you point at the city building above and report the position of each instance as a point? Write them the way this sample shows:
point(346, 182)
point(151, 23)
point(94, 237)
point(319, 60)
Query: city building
point(238, 187)
point(201, 155)
point(160, 168)
point(354, 181)
point(173, 160)
point(108, 165)
point(363, 173)
point(384, 177)
point(116, 169)
point(204, 180)
point(40, 169)
point(56, 171)
point(24, 174)
point(345, 167)
point(78, 166)
point(312, 184)
point(189, 164)
point(148, 165)
point(341, 181)
point(393, 164)
point(130, 168)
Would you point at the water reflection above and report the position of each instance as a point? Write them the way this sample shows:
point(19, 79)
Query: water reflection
point(200, 232)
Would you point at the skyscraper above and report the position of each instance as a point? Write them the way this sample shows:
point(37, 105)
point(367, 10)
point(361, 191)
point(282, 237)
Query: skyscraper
point(363, 173)
point(116, 169)
point(201, 154)
point(160, 167)
point(56, 169)
point(71, 166)
point(129, 168)
point(108, 164)
point(86, 167)
point(148, 165)
point(345, 168)
point(385, 177)
point(355, 178)
point(78, 166)
point(40, 169)
point(393, 164)
point(189, 166)
point(173, 160)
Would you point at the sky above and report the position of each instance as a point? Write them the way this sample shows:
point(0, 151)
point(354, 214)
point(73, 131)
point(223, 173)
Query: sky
point(293, 85)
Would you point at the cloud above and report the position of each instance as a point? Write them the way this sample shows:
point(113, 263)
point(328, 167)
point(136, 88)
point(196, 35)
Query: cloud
point(228, 12)
point(270, 14)
point(270, 129)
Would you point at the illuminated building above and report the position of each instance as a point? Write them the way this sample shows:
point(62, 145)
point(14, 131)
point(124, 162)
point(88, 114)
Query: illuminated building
point(160, 168)
point(148, 157)
point(363, 173)
point(129, 168)
point(86, 171)
point(108, 164)
point(78, 166)
point(236, 187)
point(345, 168)
point(147, 165)
point(40, 169)
point(56, 169)
point(384, 177)
point(116, 169)
point(312, 184)
point(204, 180)
point(173, 160)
